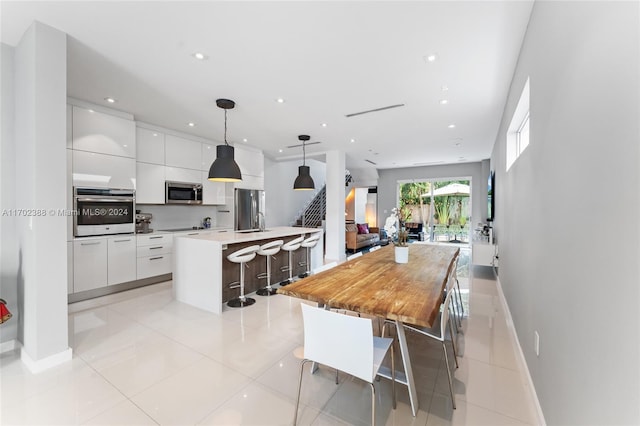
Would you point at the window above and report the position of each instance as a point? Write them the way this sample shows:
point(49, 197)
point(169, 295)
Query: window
point(518, 132)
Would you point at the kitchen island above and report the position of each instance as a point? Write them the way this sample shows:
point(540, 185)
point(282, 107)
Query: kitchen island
point(202, 274)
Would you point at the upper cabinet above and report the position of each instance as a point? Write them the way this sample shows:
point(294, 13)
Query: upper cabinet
point(103, 133)
point(183, 153)
point(251, 161)
point(103, 171)
point(150, 146)
point(208, 156)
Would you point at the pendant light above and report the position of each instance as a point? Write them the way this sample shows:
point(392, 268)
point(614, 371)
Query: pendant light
point(224, 168)
point(304, 180)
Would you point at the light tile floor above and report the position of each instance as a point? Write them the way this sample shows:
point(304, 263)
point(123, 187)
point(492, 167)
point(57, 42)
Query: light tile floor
point(141, 358)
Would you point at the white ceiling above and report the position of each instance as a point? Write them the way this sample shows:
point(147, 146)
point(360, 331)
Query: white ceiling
point(326, 59)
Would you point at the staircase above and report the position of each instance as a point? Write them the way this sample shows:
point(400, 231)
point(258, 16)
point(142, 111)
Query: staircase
point(313, 213)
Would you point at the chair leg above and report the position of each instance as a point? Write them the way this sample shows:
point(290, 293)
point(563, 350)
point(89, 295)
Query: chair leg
point(373, 404)
point(393, 377)
point(446, 361)
point(453, 344)
point(295, 413)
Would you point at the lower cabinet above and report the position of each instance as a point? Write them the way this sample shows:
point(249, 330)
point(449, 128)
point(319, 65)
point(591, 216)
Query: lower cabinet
point(89, 264)
point(483, 254)
point(98, 262)
point(154, 255)
point(121, 259)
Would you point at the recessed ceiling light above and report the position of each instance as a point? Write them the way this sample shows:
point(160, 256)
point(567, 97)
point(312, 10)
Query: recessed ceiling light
point(324, 124)
point(155, 134)
point(201, 56)
point(445, 88)
point(352, 140)
point(110, 100)
point(431, 58)
point(244, 140)
point(125, 145)
point(279, 150)
point(92, 111)
point(191, 124)
point(443, 101)
point(280, 100)
point(451, 126)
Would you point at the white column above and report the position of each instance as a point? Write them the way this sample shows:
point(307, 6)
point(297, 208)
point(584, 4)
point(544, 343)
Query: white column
point(41, 167)
point(335, 249)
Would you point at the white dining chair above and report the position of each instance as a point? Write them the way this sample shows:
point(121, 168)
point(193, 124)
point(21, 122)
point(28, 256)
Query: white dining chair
point(439, 332)
point(347, 344)
point(354, 256)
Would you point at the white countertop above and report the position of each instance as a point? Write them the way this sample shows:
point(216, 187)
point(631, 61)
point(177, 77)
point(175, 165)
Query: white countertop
point(242, 237)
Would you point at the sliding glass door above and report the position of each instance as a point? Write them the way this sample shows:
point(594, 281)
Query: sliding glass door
point(437, 210)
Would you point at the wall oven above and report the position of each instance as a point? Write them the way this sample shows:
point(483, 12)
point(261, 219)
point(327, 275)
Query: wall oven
point(103, 211)
point(183, 193)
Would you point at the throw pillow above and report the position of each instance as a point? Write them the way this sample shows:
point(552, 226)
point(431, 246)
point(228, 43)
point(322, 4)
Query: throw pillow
point(363, 228)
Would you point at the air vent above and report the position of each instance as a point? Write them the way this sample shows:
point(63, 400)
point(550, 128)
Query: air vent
point(369, 161)
point(428, 164)
point(374, 110)
point(306, 144)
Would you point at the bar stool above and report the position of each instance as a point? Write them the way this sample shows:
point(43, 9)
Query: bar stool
point(268, 250)
point(242, 256)
point(308, 244)
point(291, 246)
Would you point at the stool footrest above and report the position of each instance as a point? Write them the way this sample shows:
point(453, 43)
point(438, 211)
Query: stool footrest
point(235, 284)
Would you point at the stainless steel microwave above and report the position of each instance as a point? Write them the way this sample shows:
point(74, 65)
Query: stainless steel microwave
point(103, 211)
point(183, 193)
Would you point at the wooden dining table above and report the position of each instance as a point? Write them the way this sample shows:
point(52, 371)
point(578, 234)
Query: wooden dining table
point(375, 284)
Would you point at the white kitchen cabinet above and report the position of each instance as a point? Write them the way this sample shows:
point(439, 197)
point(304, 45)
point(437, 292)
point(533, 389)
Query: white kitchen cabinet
point(89, 264)
point(213, 193)
point(154, 255)
point(103, 171)
point(103, 133)
point(251, 182)
point(183, 153)
point(208, 156)
point(483, 253)
point(150, 183)
point(121, 256)
point(69, 267)
point(178, 174)
point(251, 161)
point(150, 146)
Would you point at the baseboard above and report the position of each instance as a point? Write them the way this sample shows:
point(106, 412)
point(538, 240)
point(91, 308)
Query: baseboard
point(8, 346)
point(524, 368)
point(43, 364)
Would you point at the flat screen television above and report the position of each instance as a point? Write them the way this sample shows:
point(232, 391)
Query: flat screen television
point(491, 198)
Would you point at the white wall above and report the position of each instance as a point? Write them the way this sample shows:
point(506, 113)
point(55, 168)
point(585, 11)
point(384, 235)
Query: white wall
point(388, 186)
point(282, 202)
point(8, 237)
point(41, 172)
point(567, 211)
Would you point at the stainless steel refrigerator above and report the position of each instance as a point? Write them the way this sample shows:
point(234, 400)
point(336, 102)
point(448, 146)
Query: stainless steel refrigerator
point(249, 206)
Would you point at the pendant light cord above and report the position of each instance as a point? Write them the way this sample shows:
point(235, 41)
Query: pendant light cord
point(304, 155)
point(225, 127)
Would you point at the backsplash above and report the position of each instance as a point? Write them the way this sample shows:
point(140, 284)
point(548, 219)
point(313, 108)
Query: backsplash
point(170, 217)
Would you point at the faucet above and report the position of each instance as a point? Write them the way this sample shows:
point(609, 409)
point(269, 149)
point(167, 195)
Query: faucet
point(261, 222)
